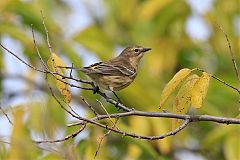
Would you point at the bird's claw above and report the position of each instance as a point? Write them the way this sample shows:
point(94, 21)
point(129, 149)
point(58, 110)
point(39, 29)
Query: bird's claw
point(117, 105)
point(95, 89)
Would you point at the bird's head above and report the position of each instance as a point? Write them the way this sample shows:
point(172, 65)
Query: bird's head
point(134, 53)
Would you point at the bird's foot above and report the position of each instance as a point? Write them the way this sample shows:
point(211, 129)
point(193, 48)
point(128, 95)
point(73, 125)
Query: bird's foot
point(117, 106)
point(95, 89)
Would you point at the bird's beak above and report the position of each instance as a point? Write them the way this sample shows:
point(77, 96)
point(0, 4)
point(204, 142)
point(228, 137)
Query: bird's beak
point(146, 49)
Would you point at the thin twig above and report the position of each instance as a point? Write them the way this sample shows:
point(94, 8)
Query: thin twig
point(61, 105)
point(5, 114)
point(89, 106)
point(29, 65)
point(222, 81)
point(5, 142)
point(105, 135)
point(47, 33)
point(48, 43)
point(36, 47)
point(106, 112)
point(231, 53)
point(65, 138)
point(72, 109)
point(47, 71)
point(70, 84)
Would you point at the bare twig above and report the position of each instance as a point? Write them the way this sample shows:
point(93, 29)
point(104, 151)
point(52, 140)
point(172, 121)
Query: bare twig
point(222, 81)
point(107, 113)
point(61, 105)
point(49, 44)
point(105, 135)
point(231, 53)
point(5, 114)
point(193, 118)
point(36, 47)
point(65, 138)
point(29, 65)
point(89, 106)
point(47, 33)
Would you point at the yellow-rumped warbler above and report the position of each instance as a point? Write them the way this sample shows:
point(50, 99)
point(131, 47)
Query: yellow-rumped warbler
point(117, 73)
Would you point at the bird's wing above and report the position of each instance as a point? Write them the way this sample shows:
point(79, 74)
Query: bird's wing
point(109, 69)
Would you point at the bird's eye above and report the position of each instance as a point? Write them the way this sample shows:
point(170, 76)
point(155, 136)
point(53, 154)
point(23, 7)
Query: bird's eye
point(136, 50)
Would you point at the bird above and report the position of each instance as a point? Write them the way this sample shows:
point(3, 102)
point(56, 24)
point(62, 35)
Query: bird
point(117, 73)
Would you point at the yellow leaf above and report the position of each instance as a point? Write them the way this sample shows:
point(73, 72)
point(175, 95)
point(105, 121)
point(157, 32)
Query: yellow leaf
point(232, 146)
point(58, 61)
point(200, 89)
point(172, 84)
point(151, 8)
point(162, 126)
point(54, 62)
point(21, 138)
point(138, 123)
point(133, 151)
point(183, 99)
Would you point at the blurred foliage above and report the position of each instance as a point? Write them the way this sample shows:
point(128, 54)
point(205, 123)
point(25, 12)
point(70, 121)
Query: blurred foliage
point(159, 24)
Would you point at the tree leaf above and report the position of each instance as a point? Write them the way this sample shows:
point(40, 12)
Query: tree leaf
point(21, 138)
point(200, 89)
point(62, 87)
point(232, 146)
point(151, 8)
point(173, 84)
point(94, 39)
point(183, 99)
point(161, 126)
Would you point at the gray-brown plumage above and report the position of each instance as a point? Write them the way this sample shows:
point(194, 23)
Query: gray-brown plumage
point(119, 72)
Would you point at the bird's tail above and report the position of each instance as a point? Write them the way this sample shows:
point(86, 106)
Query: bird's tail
point(84, 69)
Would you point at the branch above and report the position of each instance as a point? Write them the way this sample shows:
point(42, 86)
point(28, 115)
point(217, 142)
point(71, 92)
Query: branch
point(105, 135)
point(65, 138)
point(5, 114)
point(231, 53)
point(221, 81)
point(192, 118)
point(29, 65)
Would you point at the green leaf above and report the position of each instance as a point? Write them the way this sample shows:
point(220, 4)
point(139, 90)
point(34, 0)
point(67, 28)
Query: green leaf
point(96, 40)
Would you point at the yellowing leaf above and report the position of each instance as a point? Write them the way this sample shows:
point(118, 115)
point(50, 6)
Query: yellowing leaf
point(54, 62)
point(232, 146)
point(200, 89)
point(183, 99)
point(138, 123)
point(58, 61)
point(151, 8)
point(133, 151)
point(162, 126)
point(172, 84)
point(21, 138)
